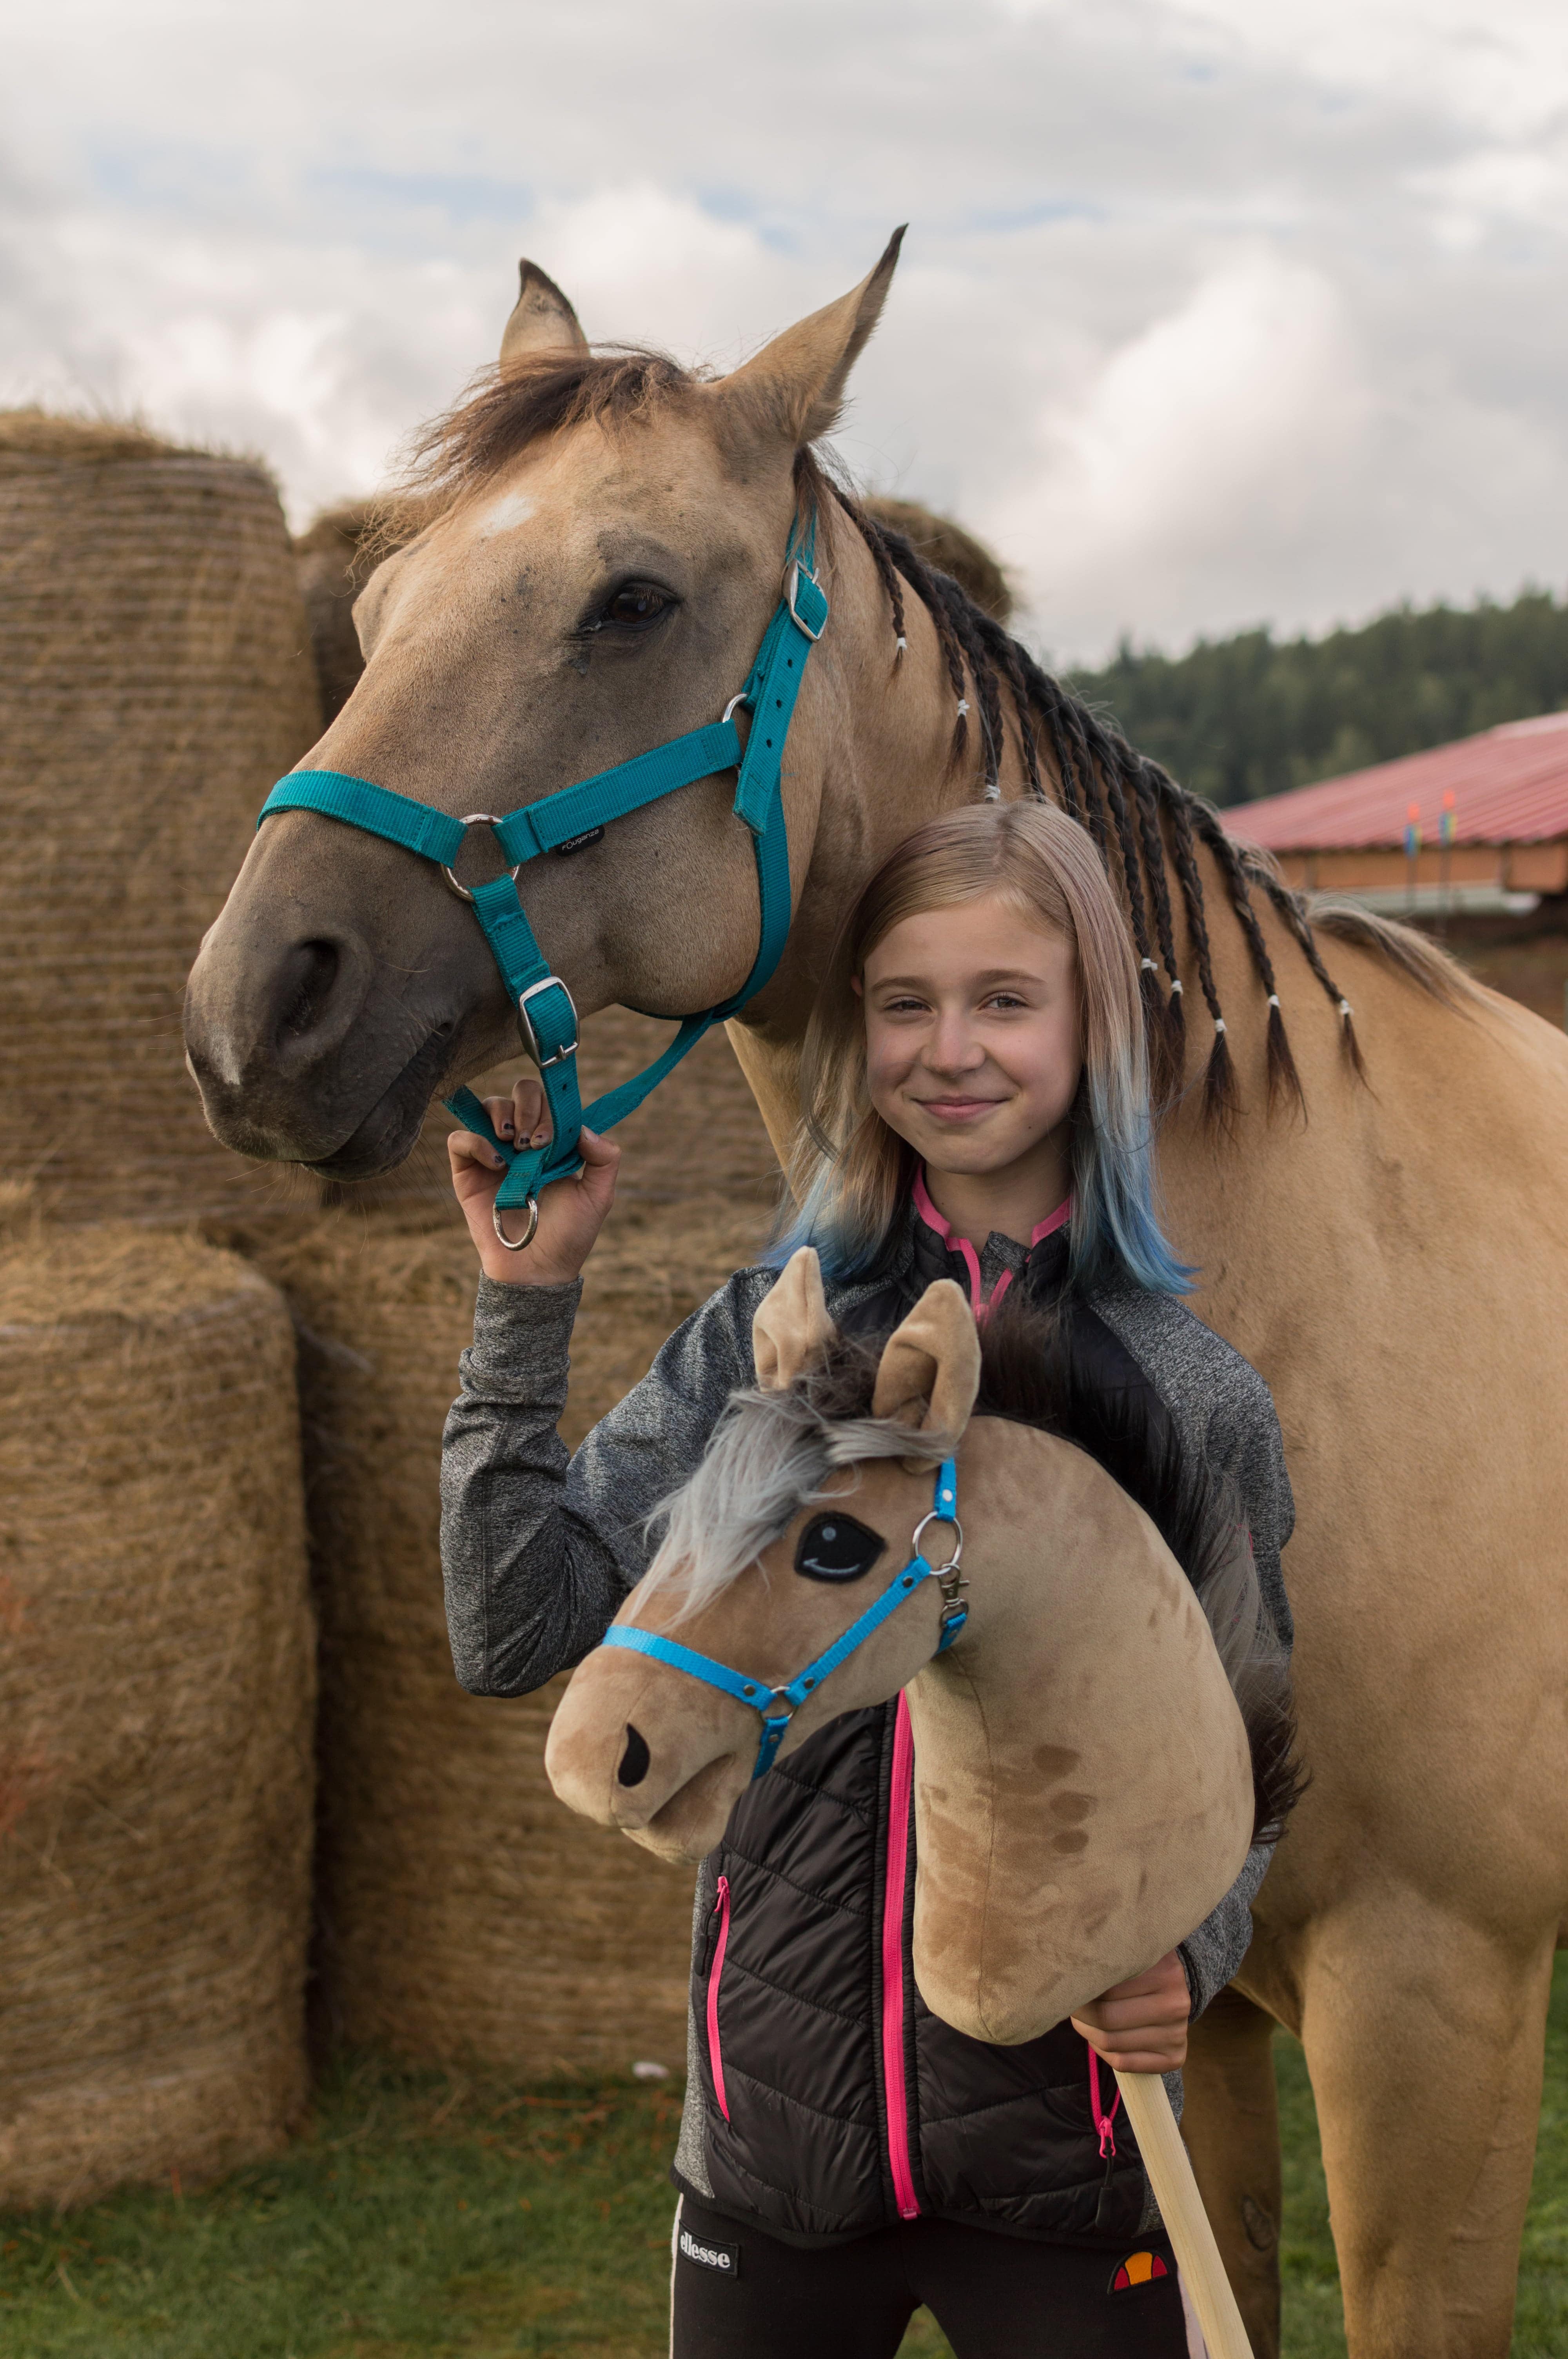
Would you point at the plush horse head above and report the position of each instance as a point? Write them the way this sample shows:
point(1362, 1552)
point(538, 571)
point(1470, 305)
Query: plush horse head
point(1090, 1764)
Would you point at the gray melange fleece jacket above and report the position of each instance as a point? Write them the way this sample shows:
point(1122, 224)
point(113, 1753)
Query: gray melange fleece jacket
point(539, 1547)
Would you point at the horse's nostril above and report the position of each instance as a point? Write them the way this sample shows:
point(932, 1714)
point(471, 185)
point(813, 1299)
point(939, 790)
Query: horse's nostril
point(634, 1760)
point(312, 970)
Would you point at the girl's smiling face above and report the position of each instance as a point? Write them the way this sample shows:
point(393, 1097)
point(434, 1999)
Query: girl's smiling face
point(974, 1042)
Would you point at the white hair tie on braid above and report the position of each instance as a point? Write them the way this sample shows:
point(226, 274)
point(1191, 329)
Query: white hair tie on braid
point(1344, 1009)
point(1219, 1024)
point(963, 706)
point(1273, 999)
point(1176, 986)
point(1148, 966)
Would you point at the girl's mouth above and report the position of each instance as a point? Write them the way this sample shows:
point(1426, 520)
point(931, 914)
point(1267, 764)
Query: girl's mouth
point(958, 1109)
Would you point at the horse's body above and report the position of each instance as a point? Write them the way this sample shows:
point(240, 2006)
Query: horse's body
point(1395, 1265)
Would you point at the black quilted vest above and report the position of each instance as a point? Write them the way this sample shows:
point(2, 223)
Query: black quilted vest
point(833, 2100)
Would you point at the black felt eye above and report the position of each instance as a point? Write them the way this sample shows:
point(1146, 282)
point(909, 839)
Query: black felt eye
point(836, 1548)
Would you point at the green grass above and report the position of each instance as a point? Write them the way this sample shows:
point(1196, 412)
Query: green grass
point(423, 2217)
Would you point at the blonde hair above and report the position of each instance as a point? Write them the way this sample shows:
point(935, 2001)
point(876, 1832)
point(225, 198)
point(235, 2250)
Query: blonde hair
point(849, 1172)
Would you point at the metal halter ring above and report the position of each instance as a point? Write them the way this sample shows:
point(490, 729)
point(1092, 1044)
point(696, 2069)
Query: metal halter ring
point(938, 1516)
point(742, 699)
point(519, 1245)
point(477, 818)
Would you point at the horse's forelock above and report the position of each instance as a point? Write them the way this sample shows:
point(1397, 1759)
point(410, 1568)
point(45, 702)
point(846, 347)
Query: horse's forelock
point(769, 1458)
point(505, 410)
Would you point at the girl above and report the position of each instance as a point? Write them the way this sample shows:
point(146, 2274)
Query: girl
point(978, 1107)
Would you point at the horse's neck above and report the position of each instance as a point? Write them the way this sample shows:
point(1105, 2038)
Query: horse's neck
point(875, 733)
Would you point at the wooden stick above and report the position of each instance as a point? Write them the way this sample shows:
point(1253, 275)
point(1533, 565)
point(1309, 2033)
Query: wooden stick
point(1170, 2172)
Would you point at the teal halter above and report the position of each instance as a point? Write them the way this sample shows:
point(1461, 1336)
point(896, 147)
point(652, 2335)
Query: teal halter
point(546, 1016)
point(764, 1701)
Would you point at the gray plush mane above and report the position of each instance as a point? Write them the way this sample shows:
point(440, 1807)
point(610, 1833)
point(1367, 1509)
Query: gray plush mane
point(768, 1460)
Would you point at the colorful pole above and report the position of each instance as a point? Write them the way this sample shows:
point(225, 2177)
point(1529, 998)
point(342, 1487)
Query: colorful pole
point(1412, 853)
point(1446, 842)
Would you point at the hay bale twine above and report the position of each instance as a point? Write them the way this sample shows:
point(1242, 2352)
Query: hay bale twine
point(157, 1685)
point(951, 550)
point(462, 1911)
point(155, 679)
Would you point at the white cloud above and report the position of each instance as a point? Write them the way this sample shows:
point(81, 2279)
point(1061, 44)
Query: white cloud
point(1207, 312)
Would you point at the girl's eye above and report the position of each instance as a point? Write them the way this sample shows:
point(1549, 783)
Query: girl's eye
point(836, 1548)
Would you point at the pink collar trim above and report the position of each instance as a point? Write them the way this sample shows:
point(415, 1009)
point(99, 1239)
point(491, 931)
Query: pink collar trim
point(934, 1220)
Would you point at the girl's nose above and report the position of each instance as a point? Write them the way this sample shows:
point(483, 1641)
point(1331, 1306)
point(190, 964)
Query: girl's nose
point(953, 1049)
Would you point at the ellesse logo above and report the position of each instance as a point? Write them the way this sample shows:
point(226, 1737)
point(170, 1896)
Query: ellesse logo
point(725, 2258)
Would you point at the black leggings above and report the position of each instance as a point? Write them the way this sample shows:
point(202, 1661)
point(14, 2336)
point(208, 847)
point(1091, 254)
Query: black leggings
point(739, 2294)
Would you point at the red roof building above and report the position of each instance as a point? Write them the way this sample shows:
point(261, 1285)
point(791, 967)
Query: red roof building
point(1491, 811)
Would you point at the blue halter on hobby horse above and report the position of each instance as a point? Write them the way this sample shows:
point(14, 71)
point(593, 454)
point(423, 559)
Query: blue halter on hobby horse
point(766, 1700)
point(558, 823)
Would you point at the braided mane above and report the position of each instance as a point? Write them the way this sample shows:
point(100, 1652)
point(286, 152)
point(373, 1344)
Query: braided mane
point(1143, 823)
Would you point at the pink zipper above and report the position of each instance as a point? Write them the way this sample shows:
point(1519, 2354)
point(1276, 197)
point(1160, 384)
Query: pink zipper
point(1102, 2119)
point(892, 1964)
point(715, 2058)
point(982, 1306)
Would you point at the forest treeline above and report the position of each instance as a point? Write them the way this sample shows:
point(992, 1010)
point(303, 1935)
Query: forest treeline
point(1251, 715)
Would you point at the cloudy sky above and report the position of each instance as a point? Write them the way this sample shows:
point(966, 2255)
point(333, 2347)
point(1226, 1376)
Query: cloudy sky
point(1209, 314)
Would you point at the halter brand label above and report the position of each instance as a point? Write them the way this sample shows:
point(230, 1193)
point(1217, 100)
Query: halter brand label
point(723, 2258)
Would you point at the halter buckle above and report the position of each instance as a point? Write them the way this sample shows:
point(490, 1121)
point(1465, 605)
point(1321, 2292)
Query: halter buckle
point(526, 1023)
point(477, 818)
point(792, 583)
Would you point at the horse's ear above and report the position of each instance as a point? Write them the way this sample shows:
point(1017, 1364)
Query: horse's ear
point(791, 1326)
point(930, 1369)
point(791, 390)
point(542, 319)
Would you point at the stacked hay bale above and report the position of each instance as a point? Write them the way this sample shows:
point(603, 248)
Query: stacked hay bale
point(462, 1911)
point(156, 678)
point(156, 1684)
point(333, 559)
point(949, 548)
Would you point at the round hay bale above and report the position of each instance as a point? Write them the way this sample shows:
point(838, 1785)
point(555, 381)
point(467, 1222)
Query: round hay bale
point(462, 1911)
point(948, 546)
point(157, 1685)
point(155, 679)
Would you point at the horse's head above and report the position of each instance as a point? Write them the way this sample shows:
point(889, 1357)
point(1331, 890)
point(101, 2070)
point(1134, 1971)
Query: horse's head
point(805, 1511)
point(605, 546)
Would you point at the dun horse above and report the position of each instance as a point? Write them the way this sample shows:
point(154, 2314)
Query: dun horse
point(604, 552)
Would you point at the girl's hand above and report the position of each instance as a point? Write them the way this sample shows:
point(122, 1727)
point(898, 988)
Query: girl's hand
point(571, 1211)
point(1140, 2025)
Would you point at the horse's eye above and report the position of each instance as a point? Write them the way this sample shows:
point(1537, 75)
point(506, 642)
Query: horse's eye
point(636, 606)
point(836, 1548)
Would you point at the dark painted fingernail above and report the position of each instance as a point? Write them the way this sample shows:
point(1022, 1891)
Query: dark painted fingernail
point(538, 1138)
